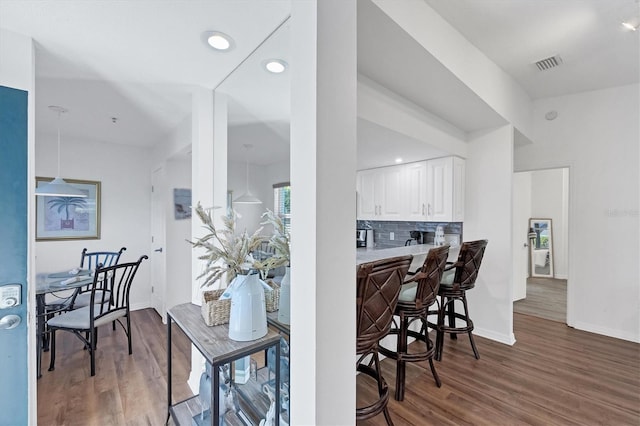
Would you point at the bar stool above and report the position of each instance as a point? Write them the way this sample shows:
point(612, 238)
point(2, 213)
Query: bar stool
point(418, 293)
point(378, 287)
point(457, 279)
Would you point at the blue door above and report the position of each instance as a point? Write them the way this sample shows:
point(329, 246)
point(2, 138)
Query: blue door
point(13, 257)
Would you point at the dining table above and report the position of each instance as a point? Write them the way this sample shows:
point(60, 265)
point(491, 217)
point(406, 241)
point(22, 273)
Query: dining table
point(61, 286)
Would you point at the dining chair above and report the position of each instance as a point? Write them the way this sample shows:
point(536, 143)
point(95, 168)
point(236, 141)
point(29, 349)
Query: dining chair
point(90, 261)
point(458, 278)
point(104, 307)
point(378, 287)
point(417, 294)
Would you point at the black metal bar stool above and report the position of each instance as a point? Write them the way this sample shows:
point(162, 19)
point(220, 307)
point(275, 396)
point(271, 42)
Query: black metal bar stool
point(418, 293)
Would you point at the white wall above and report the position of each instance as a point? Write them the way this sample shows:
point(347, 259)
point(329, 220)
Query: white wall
point(177, 232)
point(383, 107)
point(488, 216)
point(124, 173)
point(547, 201)
point(497, 88)
point(596, 134)
point(323, 126)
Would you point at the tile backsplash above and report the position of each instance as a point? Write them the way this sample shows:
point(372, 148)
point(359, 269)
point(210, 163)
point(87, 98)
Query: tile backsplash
point(382, 231)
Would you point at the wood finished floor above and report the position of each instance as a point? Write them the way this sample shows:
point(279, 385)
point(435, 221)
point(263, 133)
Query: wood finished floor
point(546, 298)
point(126, 390)
point(553, 375)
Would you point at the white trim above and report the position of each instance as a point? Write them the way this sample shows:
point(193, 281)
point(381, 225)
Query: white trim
point(507, 339)
point(605, 331)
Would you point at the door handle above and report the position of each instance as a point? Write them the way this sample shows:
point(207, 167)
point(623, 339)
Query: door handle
point(159, 250)
point(10, 321)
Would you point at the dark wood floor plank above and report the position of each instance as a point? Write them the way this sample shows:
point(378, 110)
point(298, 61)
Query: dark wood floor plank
point(553, 375)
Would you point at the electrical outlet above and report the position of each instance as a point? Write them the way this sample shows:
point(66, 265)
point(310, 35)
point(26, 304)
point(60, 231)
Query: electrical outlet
point(392, 236)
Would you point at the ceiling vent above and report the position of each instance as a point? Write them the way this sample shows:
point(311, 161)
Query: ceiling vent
point(548, 63)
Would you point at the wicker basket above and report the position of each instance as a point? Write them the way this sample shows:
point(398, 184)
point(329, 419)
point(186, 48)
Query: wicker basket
point(215, 311)
point(272, 298)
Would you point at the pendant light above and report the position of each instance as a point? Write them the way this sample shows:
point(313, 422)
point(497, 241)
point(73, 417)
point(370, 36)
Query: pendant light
point(247, 197)
point(58, 187)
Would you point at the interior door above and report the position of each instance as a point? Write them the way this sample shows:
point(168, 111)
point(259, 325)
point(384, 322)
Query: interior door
point(158, 264)
point(13, 252)
point(521, 214)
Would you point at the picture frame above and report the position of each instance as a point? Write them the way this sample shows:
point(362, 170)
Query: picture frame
point(182, 203)
point(69, 218)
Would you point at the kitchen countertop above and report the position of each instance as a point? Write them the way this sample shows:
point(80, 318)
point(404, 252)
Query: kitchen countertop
point(419, 252)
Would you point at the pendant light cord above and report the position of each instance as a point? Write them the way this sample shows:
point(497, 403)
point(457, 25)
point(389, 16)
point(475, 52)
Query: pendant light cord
point(247, 181)
point(58, 174)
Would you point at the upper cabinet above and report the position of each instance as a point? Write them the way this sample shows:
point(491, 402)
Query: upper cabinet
point(430, 190)
point(445, 189)
point(380, 193)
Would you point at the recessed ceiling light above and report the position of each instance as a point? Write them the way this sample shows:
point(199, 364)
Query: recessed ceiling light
point(398, 160)
point(218, 40)
point(630, 26)
point(551, 115)
point(275, 66)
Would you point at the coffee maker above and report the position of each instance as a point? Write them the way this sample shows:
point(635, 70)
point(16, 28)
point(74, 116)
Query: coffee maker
point(361, 237)
point(364, 237)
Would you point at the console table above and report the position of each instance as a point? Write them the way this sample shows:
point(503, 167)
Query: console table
point(217, 349)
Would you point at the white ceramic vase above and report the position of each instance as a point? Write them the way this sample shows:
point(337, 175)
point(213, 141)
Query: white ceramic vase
point(284, 312)
point(248, 316)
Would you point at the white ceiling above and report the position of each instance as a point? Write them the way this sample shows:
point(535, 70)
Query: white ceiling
point(134, 60)
point(597, 51)
point(138, 61)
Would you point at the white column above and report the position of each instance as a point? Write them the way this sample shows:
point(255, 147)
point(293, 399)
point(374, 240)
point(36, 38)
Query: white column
point(208, 184)
point(202, 172)
point(323, 181)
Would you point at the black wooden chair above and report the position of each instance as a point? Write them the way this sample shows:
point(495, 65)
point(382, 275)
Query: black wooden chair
point(378, 287)
point(105, 306)
point(457, 279)
point(418, 293)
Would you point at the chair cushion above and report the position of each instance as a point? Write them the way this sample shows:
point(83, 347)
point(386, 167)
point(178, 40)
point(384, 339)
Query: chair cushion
point(447, 278)
point(79, 318)
point(408, 292)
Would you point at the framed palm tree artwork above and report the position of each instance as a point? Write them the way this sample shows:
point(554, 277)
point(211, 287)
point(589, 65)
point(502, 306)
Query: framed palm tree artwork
point(68, 218)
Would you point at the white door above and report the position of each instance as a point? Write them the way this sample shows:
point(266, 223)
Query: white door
point(521, 214)
point(158, 268)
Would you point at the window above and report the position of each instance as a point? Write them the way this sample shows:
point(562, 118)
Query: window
point(282, 203)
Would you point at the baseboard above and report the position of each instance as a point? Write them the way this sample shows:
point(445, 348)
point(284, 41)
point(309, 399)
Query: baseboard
point(605, 331)
point(139, 306)
point(507, 339)
point(561, 276)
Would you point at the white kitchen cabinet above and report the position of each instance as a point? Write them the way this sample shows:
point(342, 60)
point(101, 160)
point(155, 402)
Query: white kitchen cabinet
point(415, 191)
point(366, 193)
point(380, 194)
point(445, 189)
point(431, 190)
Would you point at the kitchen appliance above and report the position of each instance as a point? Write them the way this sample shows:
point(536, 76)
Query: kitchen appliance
point(364, 237)
point(369, 237)
point(361, 237)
